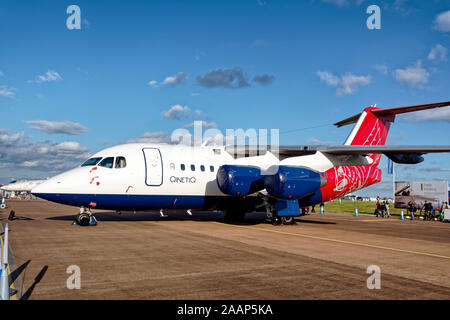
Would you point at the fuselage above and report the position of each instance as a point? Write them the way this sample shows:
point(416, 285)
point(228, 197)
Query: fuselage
point(149, 177)
point(22, 185)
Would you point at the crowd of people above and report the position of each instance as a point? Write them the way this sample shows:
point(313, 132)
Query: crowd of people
point(382, 208)
point(426, 211)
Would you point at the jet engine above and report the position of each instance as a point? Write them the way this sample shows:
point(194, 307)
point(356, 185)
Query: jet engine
point(289, 183)
point(239, 180)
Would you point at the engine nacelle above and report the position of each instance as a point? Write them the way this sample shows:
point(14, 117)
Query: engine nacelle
point(239, 180)
point(405, 158)
point(289, 183)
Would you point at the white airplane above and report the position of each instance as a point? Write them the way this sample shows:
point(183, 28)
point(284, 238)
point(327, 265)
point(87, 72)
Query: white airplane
point(142, 176)
point(23, 185)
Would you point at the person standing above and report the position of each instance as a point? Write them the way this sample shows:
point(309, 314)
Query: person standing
point(388, 214)
point(411, 209)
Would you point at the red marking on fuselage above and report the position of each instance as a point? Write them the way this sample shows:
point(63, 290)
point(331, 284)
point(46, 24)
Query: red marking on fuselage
point(94, 168)
point(128, 188)
point(92, 180)
point(175, 201)
point(345, 179)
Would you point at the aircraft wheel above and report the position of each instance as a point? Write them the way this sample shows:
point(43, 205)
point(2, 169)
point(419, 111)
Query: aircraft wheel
point(276, 220)
point(288, 220)
point(83, 219)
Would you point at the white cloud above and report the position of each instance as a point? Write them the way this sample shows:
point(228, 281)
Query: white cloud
point(414, 75)
point(152, 137)
point(440, 114)
point(345, 85)
point(16, 152)
point(7, 92)
point(29, 164)
point(174, 80)
point(438, 53)
point(6, 138)
point(55, 127)
point(343, 3)
point(327, 77)
point(204, 124)
point(177, 112)
point(442, 21)
point(49, 76)
point(261, 3)
point(350, 82)
point(153, 84)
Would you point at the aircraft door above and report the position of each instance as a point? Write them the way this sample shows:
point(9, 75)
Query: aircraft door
point(153, 167)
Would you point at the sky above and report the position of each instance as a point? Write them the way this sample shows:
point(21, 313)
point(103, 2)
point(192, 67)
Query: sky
point(138, 70)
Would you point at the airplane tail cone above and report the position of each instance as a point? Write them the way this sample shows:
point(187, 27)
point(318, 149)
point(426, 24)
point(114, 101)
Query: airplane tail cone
point(356, 212)
point(401, 215)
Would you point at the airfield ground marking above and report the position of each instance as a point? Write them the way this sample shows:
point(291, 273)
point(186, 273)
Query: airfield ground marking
point(373, 220)
point(343, 241)
point(13, 297)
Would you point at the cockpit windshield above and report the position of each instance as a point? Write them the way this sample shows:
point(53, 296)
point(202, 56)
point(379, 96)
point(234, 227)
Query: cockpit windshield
point(91, 162)
point(107, 162)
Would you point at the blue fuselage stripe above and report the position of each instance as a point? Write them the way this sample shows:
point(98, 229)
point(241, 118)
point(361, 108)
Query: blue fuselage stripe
point(126, 202)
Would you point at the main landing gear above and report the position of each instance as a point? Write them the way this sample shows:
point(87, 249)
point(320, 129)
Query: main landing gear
point(276, 220)
point(271, 212)
point(85, 218)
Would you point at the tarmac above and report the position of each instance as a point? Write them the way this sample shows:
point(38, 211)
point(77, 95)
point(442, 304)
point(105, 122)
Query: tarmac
point(146, 256)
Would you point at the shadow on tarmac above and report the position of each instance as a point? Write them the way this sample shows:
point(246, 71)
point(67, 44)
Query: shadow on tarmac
point(38, 279)
point(252, 218)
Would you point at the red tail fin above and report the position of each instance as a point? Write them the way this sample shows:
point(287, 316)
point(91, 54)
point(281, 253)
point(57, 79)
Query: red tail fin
point(372, 125)
point(371, 130)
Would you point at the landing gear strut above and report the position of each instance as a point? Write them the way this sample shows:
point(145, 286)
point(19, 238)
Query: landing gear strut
point(85, 218)
point(271, 212)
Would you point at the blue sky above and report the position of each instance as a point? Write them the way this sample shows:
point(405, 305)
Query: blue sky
point(292, 65)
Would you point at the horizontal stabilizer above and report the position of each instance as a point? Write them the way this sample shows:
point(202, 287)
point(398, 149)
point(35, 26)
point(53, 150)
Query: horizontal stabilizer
point(394, 111)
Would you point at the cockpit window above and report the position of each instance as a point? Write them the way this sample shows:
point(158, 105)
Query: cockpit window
point(107, 162)
point(91, 162)
point(121, 162)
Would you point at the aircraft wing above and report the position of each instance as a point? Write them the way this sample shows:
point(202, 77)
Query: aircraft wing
point(397, 153)
point(382, 149)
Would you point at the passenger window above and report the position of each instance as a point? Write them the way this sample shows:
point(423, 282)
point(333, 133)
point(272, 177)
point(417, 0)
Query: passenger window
point(211, 168)
point(121, 162)
point(192, 167)
point(107, 162)
point(172, 166)
point(202, 167)
point(183, 167)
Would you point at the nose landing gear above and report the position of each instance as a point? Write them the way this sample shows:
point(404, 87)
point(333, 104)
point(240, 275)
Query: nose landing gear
point(85, 218)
